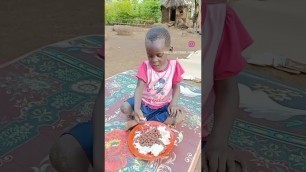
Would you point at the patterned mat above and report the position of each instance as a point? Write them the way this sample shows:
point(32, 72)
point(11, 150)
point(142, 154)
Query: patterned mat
point(44, 93)
point(270, 129)
point(188, 133)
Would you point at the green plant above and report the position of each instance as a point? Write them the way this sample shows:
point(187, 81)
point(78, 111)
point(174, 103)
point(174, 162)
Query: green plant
point(132, 10)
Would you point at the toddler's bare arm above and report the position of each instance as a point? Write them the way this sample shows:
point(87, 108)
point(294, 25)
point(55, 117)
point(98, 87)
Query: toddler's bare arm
point(175, 93)
point(226, 108)
point(218, 155)
point(137, 98)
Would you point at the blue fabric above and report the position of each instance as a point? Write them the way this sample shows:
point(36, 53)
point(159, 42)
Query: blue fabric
point(83, 133)
point(159, 115)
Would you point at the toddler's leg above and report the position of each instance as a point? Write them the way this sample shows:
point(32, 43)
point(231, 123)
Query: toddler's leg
point(66, 155)
point(127, 109)
point(73, 150)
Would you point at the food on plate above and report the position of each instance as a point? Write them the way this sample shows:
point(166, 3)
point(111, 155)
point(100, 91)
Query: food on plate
point(153, 140)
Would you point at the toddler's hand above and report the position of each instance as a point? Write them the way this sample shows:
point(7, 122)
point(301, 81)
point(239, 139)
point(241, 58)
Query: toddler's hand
point(139, 116)
point(222, 158)
point(173, 110)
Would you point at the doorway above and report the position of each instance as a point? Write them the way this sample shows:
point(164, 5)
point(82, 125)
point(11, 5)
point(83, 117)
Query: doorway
point(172, 14)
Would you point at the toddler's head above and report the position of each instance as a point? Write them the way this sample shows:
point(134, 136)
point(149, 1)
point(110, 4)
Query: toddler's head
point(157, 42)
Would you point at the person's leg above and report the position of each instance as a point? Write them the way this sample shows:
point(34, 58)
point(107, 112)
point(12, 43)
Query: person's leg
point(128, 108)
point(73, 151)
point(67, 155)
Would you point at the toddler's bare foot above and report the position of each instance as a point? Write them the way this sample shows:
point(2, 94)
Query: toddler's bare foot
point(130, 124)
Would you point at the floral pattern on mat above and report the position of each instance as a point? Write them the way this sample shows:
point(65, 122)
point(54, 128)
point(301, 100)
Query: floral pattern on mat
point(270, 129)
point(46, 92)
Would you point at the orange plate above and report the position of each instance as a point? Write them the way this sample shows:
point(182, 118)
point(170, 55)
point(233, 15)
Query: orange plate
point(149, 157)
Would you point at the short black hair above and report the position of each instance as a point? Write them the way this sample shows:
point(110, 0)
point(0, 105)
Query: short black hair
point(158, 33)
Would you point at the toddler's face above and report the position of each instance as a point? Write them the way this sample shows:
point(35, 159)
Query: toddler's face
point(156, 53)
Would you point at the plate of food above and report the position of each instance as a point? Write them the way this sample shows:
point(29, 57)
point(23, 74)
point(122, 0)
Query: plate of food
point(151, 140)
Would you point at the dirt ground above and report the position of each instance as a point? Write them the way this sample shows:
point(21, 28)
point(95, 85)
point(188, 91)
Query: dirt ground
point(277, 26)
point(126, 52)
